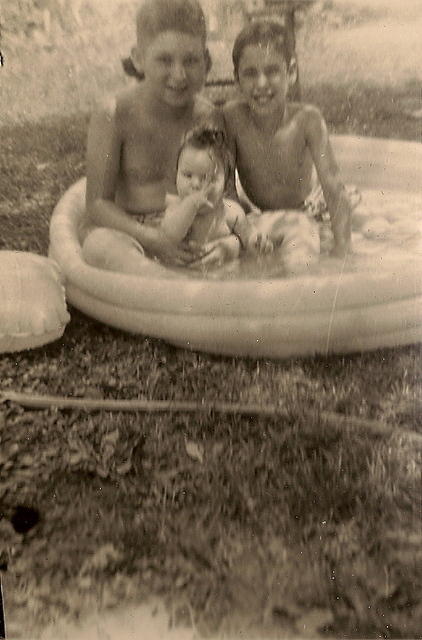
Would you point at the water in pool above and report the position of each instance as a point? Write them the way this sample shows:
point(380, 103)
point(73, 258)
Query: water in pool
point(386, 232)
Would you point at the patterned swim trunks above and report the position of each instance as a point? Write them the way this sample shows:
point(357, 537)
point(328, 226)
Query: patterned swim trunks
point(316, 207)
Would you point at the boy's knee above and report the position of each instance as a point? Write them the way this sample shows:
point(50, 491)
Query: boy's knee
point(99, 236)
point(105, 248)
point(301, 247)
point(96, 245)
point(303, 236)
point(300, 260)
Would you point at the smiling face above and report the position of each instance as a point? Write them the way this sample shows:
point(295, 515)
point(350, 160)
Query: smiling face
point(264, 78)
point(174, 65)
point(196, 170)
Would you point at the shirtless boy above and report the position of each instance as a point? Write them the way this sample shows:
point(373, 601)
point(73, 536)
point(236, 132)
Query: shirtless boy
point(277, 143)
point(134, 140)
point(200, 214)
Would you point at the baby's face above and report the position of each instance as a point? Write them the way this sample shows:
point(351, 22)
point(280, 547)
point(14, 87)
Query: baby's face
point(197, 170)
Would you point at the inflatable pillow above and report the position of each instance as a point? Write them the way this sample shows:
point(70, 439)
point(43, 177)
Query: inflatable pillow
point(32, 301)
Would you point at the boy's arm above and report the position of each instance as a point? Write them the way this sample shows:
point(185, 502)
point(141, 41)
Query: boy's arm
point(103, 166)
point(335, 194)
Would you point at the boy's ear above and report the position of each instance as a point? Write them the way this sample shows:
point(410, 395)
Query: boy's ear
point(137, 59)
point(292, 72)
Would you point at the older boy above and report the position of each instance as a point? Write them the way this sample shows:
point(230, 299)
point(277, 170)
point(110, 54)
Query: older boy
point(134, 140)
point(277, 143)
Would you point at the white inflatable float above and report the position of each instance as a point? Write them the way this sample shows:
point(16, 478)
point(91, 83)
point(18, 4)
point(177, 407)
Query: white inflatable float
point(372, 301)
point(32, 301)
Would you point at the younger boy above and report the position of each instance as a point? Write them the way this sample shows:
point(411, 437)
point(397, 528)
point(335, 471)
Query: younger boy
point(277, 143)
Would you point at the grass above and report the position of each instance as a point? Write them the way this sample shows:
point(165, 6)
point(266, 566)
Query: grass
point(333, 515)
point(281, 527)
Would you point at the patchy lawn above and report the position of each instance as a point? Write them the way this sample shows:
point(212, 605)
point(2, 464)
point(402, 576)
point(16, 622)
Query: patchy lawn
point(239, 522)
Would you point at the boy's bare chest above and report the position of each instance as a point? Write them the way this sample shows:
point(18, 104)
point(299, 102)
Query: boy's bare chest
point(152, 149)
point(150, 152)
point(286, 148)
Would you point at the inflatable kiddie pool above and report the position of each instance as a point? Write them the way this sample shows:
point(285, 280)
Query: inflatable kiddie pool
point(372, 300)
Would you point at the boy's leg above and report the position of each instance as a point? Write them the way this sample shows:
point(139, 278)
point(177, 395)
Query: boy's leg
point(117, 251)
point(295, 237)
point(300, 248)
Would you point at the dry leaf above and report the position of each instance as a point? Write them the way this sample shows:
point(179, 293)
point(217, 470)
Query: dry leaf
point(194, 450)
point(110, 438)
point(217, 449)
point(106, 556)
point(84, 582)
point(26, 460)
point(75, 458)
point(314, 621)
point(124, 468)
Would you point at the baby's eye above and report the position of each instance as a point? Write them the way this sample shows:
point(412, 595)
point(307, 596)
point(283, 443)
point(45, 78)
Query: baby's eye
point(249, 73)
point(187, 174)
point(165, 59)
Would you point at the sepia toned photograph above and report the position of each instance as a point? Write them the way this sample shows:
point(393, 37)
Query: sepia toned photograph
point(210, 319)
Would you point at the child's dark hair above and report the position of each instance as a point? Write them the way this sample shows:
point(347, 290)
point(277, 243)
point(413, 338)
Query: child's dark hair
point(262, 32)
point(155, 16)
point(210, 138)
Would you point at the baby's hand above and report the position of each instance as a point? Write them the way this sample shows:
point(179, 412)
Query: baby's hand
point(260, 242)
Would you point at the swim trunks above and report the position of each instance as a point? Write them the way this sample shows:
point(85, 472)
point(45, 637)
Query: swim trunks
point(316, 207)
